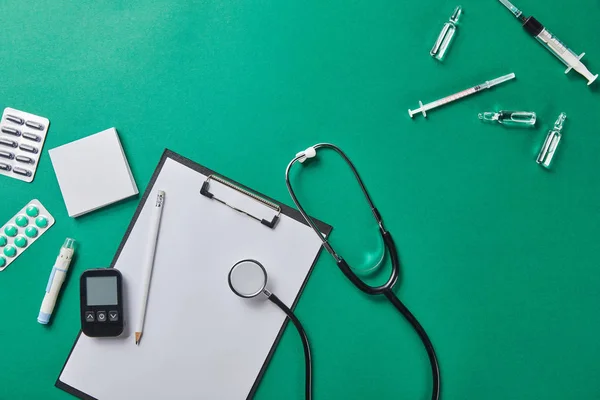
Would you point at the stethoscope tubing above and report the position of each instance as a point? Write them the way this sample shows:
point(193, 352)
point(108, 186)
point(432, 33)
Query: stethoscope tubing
point(305, 345)
point(385, 289)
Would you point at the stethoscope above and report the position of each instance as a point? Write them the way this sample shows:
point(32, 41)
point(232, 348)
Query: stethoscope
point(248, 278)
point(385, 289)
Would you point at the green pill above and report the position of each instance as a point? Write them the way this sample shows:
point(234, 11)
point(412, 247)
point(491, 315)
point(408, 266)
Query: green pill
point(32, 211)
point(10, 251)
point(20, 241)
point(2, 261)
point(21, 221)
point(31, 231)
point(3, 241)
point(10, 230)
point(41, 221)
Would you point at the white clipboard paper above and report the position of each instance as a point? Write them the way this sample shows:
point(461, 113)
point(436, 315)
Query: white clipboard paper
point(200, 340)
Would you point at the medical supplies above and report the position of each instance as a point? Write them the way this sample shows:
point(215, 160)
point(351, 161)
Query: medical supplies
point(192, 319)
point(510, 118)
point(387, 289)
point(57, 277)
point(101, 302)
point(459, 95)
point(22, 230)
point(551, 142)
point(552, 43)
point(248, 279)
point(22, 137)
point(446, 35)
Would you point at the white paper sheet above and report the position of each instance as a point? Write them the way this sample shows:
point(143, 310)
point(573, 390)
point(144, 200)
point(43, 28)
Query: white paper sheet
point(200, 340)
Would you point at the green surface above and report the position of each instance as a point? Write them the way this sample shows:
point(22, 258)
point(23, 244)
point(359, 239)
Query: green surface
point(500, 258)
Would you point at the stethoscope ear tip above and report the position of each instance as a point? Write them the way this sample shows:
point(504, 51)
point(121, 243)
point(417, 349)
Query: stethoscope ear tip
point(311, 152)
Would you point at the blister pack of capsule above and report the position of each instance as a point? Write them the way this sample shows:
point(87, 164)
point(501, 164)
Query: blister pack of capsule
point(22, 137)
point(19, 233)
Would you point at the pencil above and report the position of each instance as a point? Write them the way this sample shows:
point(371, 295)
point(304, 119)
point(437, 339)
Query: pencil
point(149, 262)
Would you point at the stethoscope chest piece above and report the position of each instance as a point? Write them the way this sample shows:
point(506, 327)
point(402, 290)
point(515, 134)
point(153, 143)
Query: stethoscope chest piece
point(248, 278)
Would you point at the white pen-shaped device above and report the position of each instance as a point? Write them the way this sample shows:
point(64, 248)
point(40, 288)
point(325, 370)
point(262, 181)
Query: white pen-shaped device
point(157, 209)
point(57, 277)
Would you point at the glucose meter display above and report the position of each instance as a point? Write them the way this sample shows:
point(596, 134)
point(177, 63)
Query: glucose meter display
point(101, 290)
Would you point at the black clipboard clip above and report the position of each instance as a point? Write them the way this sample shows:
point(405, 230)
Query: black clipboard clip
point(205, 192)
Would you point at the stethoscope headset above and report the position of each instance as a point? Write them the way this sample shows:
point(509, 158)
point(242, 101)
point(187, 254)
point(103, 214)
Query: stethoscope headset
point(385, 290)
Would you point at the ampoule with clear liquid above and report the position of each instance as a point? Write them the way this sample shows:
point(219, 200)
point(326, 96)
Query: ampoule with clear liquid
point(510, 118)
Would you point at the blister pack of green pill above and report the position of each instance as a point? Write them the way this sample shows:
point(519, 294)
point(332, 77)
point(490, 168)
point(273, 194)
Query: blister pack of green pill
point(19, 233)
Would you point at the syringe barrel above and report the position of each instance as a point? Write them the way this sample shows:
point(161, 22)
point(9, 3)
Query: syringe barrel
point(551, 42)
point(546, 38)
point(558, 48)
point(533, 26)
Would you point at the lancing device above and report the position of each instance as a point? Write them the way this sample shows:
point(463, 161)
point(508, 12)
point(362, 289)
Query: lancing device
point(57, 277)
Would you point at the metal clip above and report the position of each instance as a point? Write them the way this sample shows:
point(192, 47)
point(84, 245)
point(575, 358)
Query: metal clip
point(205, 192)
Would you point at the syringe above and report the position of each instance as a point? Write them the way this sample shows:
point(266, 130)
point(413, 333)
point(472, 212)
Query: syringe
point(551, 42)
point(449, 99)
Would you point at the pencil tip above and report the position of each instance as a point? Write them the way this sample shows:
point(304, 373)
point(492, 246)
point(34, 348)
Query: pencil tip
point(138, 336)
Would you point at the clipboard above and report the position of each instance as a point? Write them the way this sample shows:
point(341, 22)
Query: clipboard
point(245, 218)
